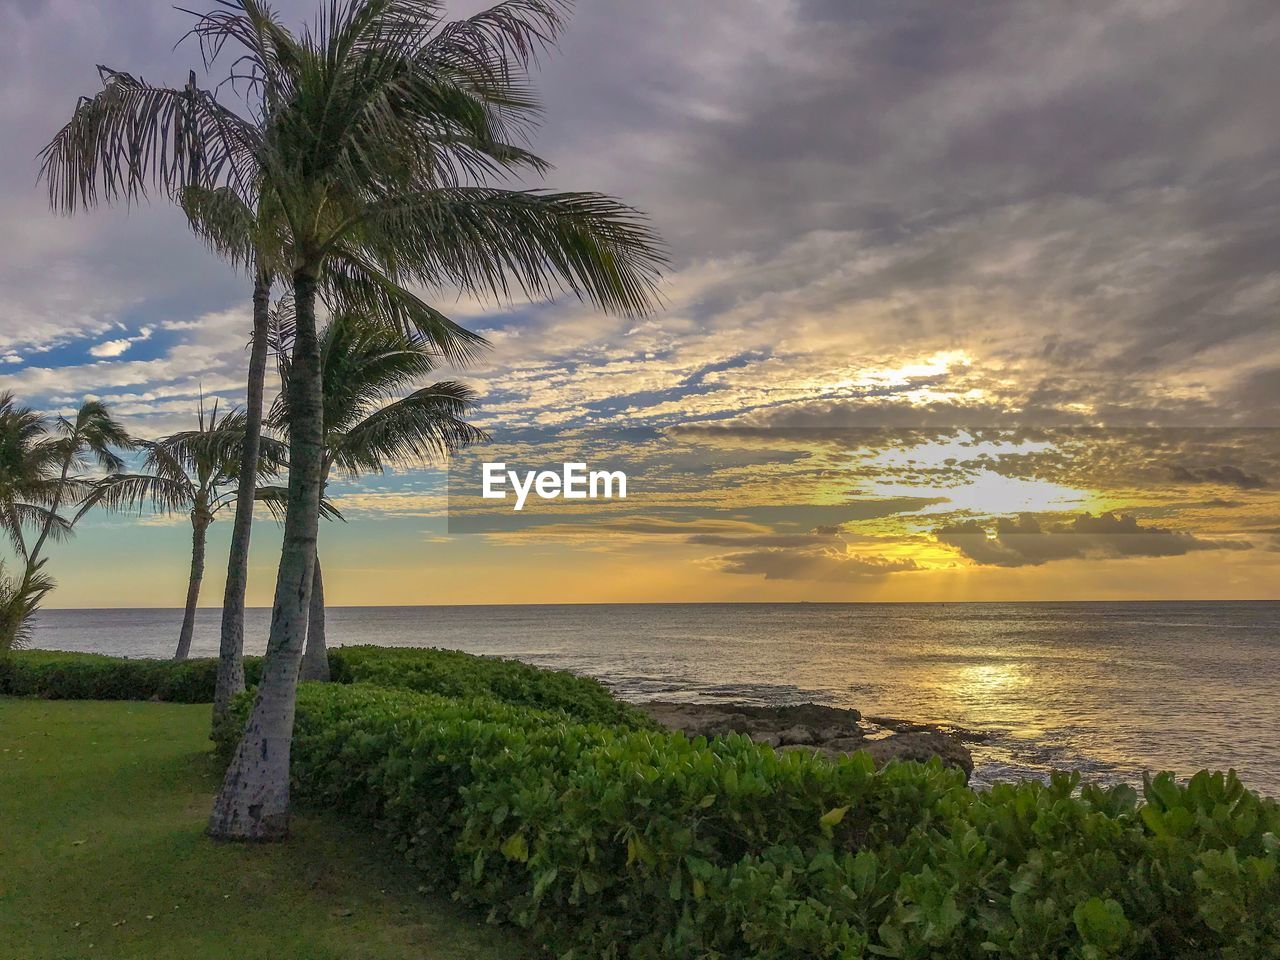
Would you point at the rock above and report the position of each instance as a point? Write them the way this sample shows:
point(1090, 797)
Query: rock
point(831, 731)
point(796, 736)
point(922, 745)
point(843, 746)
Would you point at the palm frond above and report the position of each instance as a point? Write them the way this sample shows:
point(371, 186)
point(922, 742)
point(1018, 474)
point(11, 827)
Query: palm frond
point(92, 438)
point(276, 498)
point(20, 597)
point(486, 44)
point(125, 492)
point(488, 240)
point(269, 53)
point(283, 324)
point(211, 451)
point(223, 220)
point(425, 426)
point(354, 284)
point(132, 136)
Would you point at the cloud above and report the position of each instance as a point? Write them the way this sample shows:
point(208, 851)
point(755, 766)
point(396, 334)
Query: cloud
point(625, 528)
point(1226, 474)
point(1023, 541)
point(821, 565)
point(821, 555)
point(114, 348)
point(110, 348)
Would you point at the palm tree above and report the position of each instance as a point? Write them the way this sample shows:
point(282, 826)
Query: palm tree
point(88, 440)
point(364, 172)
point(194, 471)
point(133, 135)
point(380, 130)
point(42, 466)
point(19, 599)
point(370, 423)
point(27, 466)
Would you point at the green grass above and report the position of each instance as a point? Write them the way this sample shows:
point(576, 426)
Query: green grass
point(102, 807)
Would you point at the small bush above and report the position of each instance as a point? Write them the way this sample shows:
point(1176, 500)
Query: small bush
point(451, 673)
point(612, 842)
point(90, 676)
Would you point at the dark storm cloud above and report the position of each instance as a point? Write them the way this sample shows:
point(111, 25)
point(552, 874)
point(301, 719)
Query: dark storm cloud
point(1024, 541)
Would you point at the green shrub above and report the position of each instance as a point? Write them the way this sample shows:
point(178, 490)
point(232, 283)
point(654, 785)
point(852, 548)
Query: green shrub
point(612, 842)
point(89, 676)
point(451, 673)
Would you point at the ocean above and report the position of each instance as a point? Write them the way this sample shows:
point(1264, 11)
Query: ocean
point(1110, 689)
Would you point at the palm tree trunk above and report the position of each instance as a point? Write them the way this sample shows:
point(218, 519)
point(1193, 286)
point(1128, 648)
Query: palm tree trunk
point(200, 520)
point(231, 645)
point(33, 556)
point(315, 662)
point(253, 803)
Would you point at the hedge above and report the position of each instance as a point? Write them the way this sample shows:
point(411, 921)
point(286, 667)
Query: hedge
point(451, 673)
point(608, 842)
point(89, 676)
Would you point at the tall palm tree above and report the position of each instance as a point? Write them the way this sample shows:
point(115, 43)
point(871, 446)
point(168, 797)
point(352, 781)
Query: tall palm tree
point(371, 423)
point(43, 466)
point(381, 128)
point(194, 471)
point(365, 172)
point(133, 135)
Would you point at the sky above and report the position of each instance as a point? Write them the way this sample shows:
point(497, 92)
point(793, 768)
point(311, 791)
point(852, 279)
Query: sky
point(965, 302)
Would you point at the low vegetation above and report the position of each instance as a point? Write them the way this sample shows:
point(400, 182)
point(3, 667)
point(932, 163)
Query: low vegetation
point(103, 807)
point(536, 797)
point(58, 675)
point(462, 676)
point(90, 676)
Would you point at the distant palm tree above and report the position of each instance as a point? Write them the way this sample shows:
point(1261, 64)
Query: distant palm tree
point(371, 423)
point(195, 471)
point(42, 467)
point(28, 465)
point(84, 442)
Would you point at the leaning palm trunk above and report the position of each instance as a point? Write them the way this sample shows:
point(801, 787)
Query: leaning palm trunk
point(231, 647)
point(200, 520)
point(315, 662)
point(253, 803)
point(33, 555)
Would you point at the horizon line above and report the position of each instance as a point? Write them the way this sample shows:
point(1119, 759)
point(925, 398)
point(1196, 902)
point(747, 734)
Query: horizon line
point(703, 603)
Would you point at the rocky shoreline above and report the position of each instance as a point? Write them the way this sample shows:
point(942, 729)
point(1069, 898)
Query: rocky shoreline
point(829, 731)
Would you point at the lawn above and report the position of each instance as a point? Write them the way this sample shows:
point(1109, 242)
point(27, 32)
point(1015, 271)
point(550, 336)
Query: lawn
point(102, 807)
